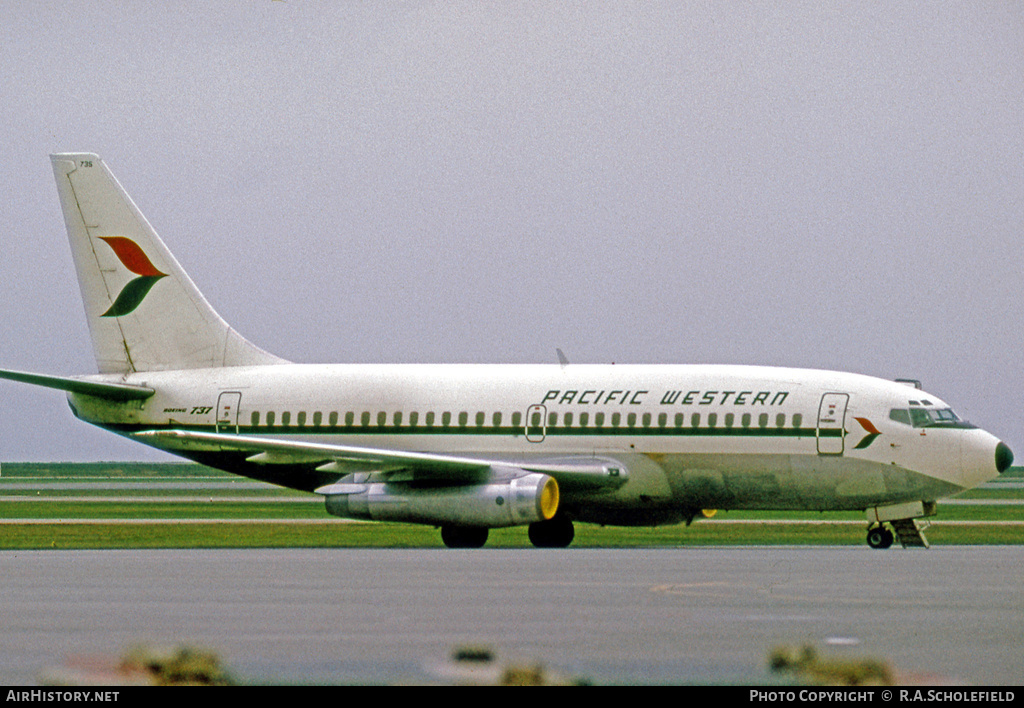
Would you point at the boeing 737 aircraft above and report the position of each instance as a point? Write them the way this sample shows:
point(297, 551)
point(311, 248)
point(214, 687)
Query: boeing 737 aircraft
point(468, 448)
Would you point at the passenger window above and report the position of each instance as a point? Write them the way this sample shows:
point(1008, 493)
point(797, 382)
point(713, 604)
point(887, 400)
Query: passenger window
point(568, 420)
point(631, 420)
point(797, 420)
point(446, 419)
point(302, 418)
point(350, 418)
point(552, 419)
point(414, 418)
point(463, 419)
point(584, 419)
point(255, 420)
point(680, 418)
point(662, 420)
point(729, 418)
point(780, 420)
point(762, 420)
point(286, 418)
point(430, 419)
point(616, 419)
point(517, 420)
point(599, 420)
point(496, 420)
point(333, 420)
point(270, 417)
point(318, 418)
point(647, 420)
point(746, 420)
point(712, 420)
point(397, 418)
point(366, 418)
point(382, 418)
point(695, 420)
point(480, 417)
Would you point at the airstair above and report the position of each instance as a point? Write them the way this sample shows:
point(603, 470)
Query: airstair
point(909, 532)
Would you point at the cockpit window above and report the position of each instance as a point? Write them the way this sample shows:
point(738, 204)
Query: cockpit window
point(928, 417)
point(900, 415)
point(920, 417)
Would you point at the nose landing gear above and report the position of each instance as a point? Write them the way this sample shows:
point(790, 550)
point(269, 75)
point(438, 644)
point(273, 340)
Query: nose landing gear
point(899, 522)
point(909, 532)
point(880, 537)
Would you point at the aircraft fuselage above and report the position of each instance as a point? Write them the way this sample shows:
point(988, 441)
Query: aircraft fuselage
point(687, 437)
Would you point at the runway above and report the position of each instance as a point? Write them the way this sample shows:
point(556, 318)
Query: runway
point(686, 615)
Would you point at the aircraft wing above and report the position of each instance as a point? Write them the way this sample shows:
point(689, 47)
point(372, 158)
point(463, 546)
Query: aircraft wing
point(573, 474)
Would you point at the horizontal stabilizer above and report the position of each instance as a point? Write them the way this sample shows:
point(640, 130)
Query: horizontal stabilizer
point(101, 389)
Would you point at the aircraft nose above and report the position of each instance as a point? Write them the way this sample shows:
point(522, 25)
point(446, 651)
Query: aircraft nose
point(1004, 457)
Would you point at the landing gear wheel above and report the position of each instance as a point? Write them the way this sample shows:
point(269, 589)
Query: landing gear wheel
point(464, 536)
point(555, 533)
point(880, 537)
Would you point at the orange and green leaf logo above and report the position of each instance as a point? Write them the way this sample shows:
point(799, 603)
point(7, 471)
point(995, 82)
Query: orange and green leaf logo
point(135, 260)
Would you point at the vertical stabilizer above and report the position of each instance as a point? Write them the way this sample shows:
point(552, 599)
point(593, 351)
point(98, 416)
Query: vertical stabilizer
point(144, 312)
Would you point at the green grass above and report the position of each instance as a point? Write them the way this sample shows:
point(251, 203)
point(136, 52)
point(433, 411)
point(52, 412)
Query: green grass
point(263, 516)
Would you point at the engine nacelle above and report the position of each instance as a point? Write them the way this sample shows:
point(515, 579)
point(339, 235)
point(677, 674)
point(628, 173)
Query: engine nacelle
point(509, 502)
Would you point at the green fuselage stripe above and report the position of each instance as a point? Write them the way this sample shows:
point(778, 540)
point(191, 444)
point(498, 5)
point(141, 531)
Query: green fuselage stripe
point(491, 431)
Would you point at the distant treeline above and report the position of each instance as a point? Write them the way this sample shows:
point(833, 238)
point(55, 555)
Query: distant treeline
point(107, 469)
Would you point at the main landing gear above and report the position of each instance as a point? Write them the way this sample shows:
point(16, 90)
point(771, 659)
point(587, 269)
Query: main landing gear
point(554, 533)
point(464, 536)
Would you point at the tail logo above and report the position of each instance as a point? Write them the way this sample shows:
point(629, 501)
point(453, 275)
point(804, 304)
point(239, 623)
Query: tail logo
point(135, 260)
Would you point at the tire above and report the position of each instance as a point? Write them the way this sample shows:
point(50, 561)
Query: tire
point(556, 533)
point(464, 536)
point(880, 537)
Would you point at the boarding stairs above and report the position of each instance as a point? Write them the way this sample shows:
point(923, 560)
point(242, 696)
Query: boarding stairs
point(909, 532)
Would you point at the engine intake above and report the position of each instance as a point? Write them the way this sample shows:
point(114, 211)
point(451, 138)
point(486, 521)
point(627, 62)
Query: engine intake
point(523, 499)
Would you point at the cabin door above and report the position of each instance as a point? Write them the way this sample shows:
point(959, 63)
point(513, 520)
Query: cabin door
point(831, 430)
point(536, 423)
point(227, 411)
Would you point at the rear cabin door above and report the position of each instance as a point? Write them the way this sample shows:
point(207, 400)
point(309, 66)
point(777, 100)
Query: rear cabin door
point(831, 431)
point(227, 411)
point(536, 423)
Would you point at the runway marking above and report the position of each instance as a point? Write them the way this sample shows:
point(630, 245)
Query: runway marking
point(842, 641)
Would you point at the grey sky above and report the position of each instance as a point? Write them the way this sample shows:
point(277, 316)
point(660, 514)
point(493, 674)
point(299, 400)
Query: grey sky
point(829, 185)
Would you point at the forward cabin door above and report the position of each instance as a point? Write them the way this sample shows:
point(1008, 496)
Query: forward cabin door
point(227, 411)
point(831, 431)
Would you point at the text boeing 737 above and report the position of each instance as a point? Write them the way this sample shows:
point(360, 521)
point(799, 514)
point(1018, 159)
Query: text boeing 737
point(473, 447)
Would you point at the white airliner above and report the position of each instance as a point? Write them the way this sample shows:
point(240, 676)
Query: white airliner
point(473, 447)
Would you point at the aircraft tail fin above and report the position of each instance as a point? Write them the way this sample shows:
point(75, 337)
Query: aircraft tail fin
point(144, 312)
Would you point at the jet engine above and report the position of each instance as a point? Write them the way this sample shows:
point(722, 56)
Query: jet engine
point(523, 499)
